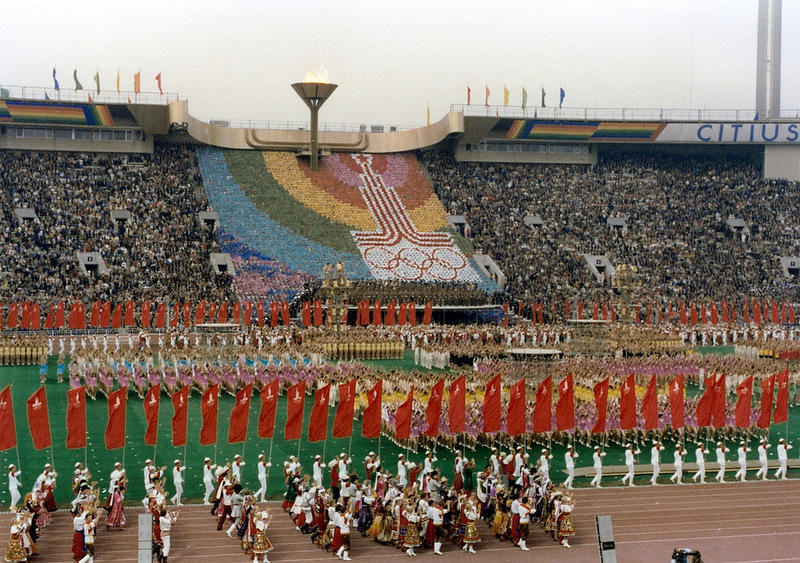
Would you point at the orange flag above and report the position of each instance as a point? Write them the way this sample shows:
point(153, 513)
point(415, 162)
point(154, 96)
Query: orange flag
point(137, 82)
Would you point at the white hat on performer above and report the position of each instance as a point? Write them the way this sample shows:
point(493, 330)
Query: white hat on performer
point(570, 447)
point(148, 461)
point(495, 449)
point(371, 453)
point(46, 465)
point(342, 454)
point(117, 464)
point(207, 459)
point(719, 443)
point(237, 456)
point(544, 450)
point(763, 440)
point(177, 461)
point(427, 452)
point(519, 448)
point(260, 456)
point(315, 457)
point(11, 466)
point(741, 443)
point(401, 455)
point(782, 440)
point(78, 464)
point(597, 447)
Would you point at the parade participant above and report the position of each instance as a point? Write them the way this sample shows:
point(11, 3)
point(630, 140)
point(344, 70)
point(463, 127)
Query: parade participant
point(436, 519)
point(343, 522)
point(494, 459)
point(629, 463)
point(411, 538)
point(89, 528)
point(165, 522)
point(261, 543)
point(524, 523)
point(458, 471)
point(116, 512)
point(262, 467)
point(317, 468)
point(763, 446)
point(236, 468)
point(782, 458)
point(427, 468)
point(514, 526)
point(15, 551)
point(225, 504)
point(544, 465)
point(699, 454)
point(569, 462)
point(471, 535)
point(78, 520)
point(655, 460)
point(333, 465)
point(208, 479)
point(365, 517)
point(597, 458)
point(13, 486)
point(564, 527)
point(371, 465)
point(221, 473)
point(237, 499)
point(677, 476)
point(402, 467)
point(148, 483)
point(741, 453)
point(177, 480)
point(344, 462)
point(721, 451)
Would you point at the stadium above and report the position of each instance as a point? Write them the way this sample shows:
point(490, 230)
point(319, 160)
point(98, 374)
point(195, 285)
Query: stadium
point(362, 340)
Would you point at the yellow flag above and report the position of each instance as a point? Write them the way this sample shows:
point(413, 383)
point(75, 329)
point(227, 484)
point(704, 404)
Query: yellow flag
point(429, 114)
point(505, 96)
point(117, 82)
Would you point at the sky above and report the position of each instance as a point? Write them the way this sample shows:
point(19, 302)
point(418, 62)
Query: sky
point(236, 59)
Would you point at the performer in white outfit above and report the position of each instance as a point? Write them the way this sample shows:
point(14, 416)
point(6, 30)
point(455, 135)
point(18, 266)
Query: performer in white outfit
point(317, 468)
point(762, 459)
point(782, 458)
point(721, 451)
point(597, 457)
point(699, 453)
point(208, 479)
point(629, 463)
point(655, 460)
point(402, 465)
point(569, 462)
point(742, 459)
point(177, 480)
point(544, 465)
point(236, 468)
point(13, 485)
point(262, 466)
point(678, 475)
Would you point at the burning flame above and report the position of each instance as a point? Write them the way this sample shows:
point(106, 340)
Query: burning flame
point(320, 75)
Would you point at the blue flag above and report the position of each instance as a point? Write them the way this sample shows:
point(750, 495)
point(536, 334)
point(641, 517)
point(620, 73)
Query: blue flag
point(563, 95)
point(55, 81)
point(46, 97)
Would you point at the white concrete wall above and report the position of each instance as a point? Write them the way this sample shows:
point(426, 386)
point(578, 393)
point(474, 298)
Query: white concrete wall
point(782, 161)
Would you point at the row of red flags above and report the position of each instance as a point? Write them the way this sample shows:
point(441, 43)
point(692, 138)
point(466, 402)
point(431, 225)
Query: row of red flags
point(711, 409)
point(404, 313)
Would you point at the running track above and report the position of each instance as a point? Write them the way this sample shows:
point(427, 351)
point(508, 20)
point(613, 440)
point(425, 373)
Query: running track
point(752, 521)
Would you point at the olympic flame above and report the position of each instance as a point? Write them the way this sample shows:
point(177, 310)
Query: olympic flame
point(320, 75)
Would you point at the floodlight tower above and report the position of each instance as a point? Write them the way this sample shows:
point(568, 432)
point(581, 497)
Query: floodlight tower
point(314, 95)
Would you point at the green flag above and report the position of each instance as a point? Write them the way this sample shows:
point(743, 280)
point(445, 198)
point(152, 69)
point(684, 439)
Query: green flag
point(543, 98)
point(97, 80)
point(524, 98)
point(75, 76)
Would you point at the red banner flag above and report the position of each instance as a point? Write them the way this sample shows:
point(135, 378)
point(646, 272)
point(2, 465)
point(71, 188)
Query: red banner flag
point(371, 421)
point(94, 319)
point(180, 416)
point(36, 317)
point(209, 410)
point(505, 313)
point(248, 313)
point(601, 405)
point(403, 418)
point(306, 314)
point(412, 314)
point(746, 314)
point(285, 313)
point(116, 316)
point(744, 393)
point(76, 418)
point(491, 405)
point(390, 313)
point(714, 314)
point(684, 318)
point(676, 401)
point(317, 312)
point(161, 313)
point(260, 313)
point(117, 408)
point(343, 421)
point(294, 411)
point(146, 314)
point(48, 322)
point(8, 437)
point(130, 311)
point(565, 408)
point(274, 308)
point(543, 409)
point(433, 411)
point(200, 313)
point(269, 406)
point(376, 313)
point(650, 405)
point(720, 397)
point(151, 407)
point(515, 421)
point(39, 419)
point(222, 312)
point(77, 318)
point(237, 313)
point(187, 315)
point(627, 403)
point(237, 431)
point(427, 315)
point(59, 315)
point(318, 422)
point(767, 389)
point(456, 408)
point(782, 400)
point(705, 406)
point(401, 315)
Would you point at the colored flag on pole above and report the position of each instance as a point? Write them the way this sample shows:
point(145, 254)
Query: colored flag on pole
point(343, 421)
point(429, 114)
point(318, 422)
point(403, 417)
point(76, 418)
point(561, 98)
point(676, 401)
point(317, 312)
point(269, 406)
point(158, 81)
point(137, 82)
point(371, 421)
point(293, 429)
point(161, 312)
point(117, 81)
point(782, 400)
point(744, 392)
point(78, 85)
point(487, 95)
point(627, 403)
point(8, 437)
point(116, 316)
point(180, 417)
point(601, 405)
point(505, 96)
point(285, 313)
point(720, 397)
point(543, 96)
point(237, 431)
point(433, 411)
point(151, 407)
point(524, 98)
point(97, 80)
point(565, 408)
point(306, 313)
point(117, 408)
point(650, 405)
point(209, 407)
point(456, 408)
point(705, 406)
point(39, 419)
point(543, 409)
point(515, 421)
point(767, 388)
point(146, 314)
point(491, 405)
point(130, 312)
point(55, 80)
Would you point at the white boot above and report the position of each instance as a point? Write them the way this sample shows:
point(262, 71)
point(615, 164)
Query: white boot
point(466, 546)
point(437, 548)
point(346, 556)
point(522, 546)
point(339, 553)
point(86, 559)
point(565, 543)
point(471, 549)
point(255, 559)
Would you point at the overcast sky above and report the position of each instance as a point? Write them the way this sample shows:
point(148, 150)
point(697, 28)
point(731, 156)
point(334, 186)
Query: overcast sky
point(235, 59)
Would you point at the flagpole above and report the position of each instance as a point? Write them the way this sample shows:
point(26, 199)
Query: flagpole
point(17, 448)
point(269, 462)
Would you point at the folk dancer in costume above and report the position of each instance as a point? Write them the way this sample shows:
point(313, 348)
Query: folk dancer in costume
point(89, 529)
point(782, 458)
point(655, 460)
point(564, 525)
point(699, 454)
point(677, 476)
point(721, 451)
point(261, 543)
point(262, 467)
point(116, 512)
point(458, 471)
point(237, 500)
point(165, 521)
point(343, 523)
point(629, 463)
point(177, 480)
point(524, 510)
point(436, 519)
point(741, 453)
point(569, 462)
point(471, 535)
point(762, 459)
point(411, 538)
point(544, 465)
point(13, 486)
point(78, 547)
point(208, 479)
point(221, 473)
point(597, 458)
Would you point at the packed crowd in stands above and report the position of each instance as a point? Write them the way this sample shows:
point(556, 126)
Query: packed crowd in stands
point(676, 210)
point(163, 250)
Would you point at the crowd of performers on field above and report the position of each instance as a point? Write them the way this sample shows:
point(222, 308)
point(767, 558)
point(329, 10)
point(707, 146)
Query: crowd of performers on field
point(416, 508)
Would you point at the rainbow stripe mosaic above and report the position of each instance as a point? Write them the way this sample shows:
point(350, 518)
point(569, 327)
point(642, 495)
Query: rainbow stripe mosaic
point(20, 111)
point(542, 130)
